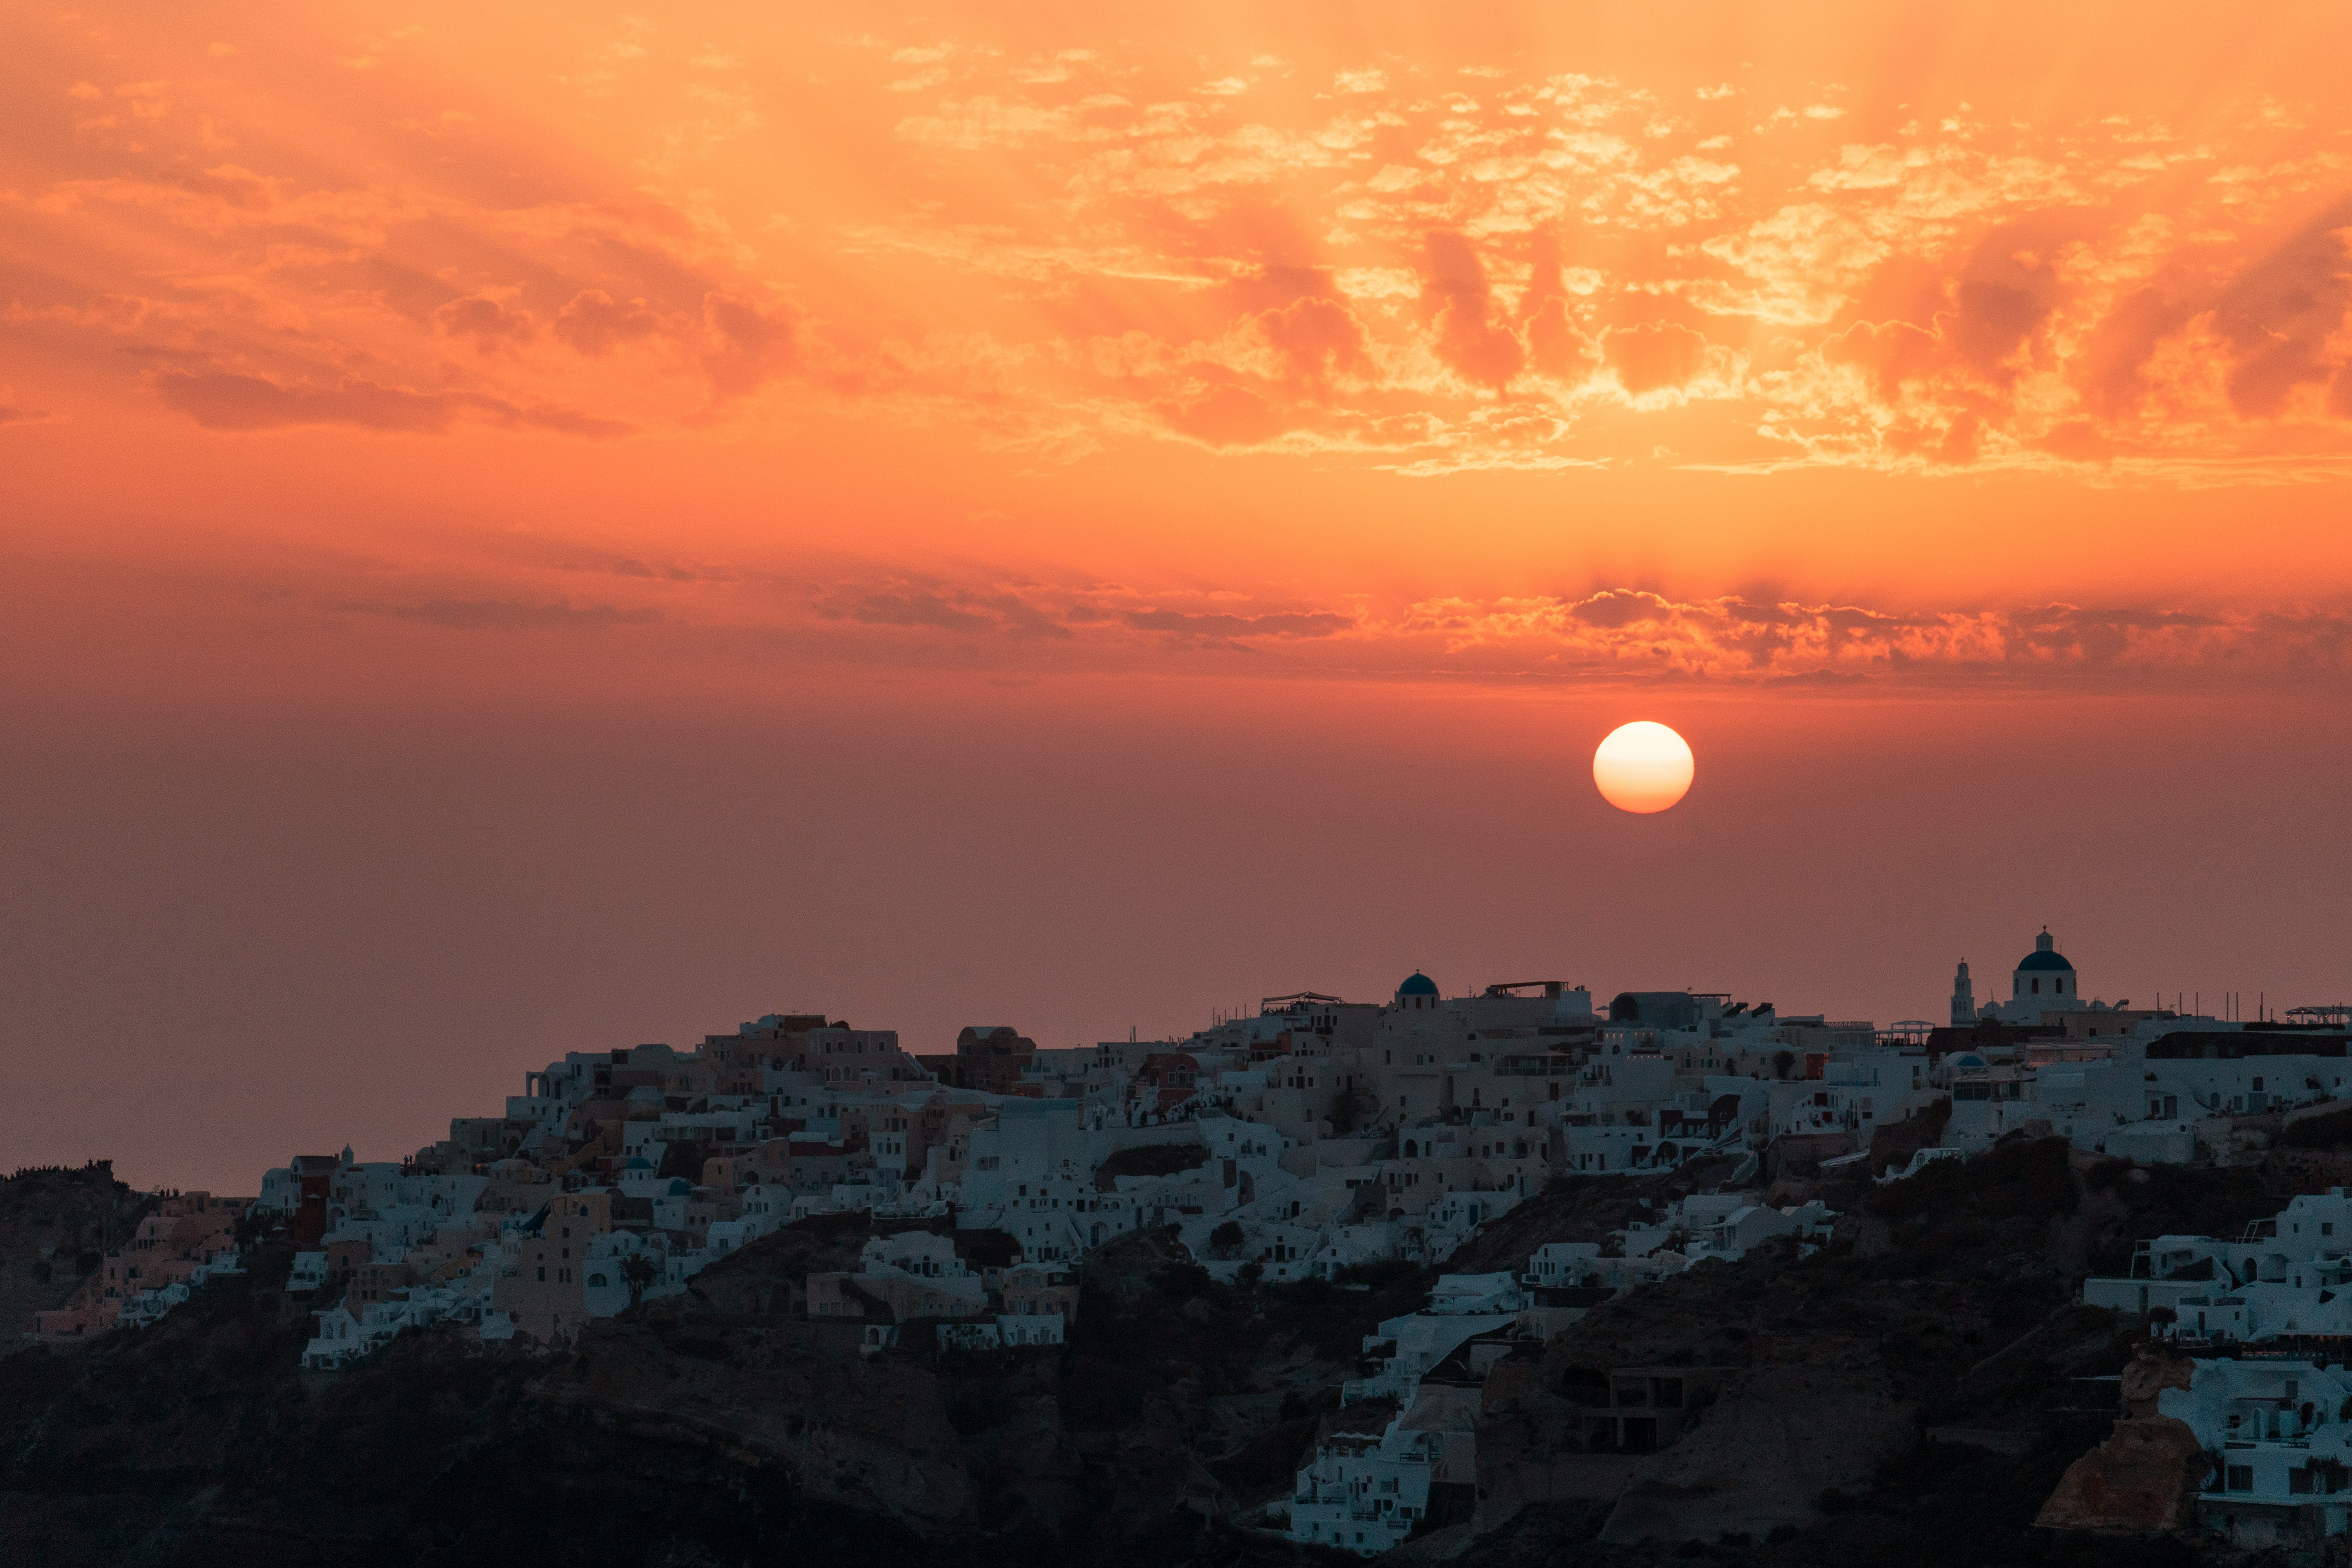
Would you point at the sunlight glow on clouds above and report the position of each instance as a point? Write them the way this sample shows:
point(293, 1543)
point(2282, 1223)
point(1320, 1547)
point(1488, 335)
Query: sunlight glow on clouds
point(1404, 253)
point(1932, 286)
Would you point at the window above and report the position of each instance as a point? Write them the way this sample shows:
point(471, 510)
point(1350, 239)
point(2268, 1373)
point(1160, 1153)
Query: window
point(2240, 1478)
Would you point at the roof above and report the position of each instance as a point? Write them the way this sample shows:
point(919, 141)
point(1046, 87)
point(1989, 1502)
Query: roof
point(2045, 956)
point(1418, 985)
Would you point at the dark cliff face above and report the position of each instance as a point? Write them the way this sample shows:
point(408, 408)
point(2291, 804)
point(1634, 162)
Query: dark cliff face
point(712, 1429)
point(56, 1224)
point(1907, 1397)
point(1899, 1399)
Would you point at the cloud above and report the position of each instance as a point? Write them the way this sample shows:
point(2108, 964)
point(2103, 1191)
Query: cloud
point(2110, 368)
point(1427, 272)
point(751, 343)
point(1283, 623)
point(1024, 619)
point(918, 610)
point(219, 401)
point(1624, 632)
point(13, 416)
point(595, 323)
point(1468, 338)
point(1618, 607)
point(2284, 314)
point(1316, 335)
point(1805, 260)
point(1891, 353)
point(1615, 633)
point(1654, 357)
point(490, 322)
point(2007, 289)
point(509, 615)
point(966, 613)
point(672, 573)
point(1221, 411)
point(1557, 345)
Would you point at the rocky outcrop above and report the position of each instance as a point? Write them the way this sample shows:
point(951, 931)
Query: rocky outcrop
point(1579, 1209)
point(2140, 1387)
point(2142, 1478)
point(2145, 1477)
point(869, 1434)
point(55, 1223)
point(1776, 1441)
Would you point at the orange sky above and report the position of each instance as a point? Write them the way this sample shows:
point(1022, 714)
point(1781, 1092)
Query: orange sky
point(1889, 375)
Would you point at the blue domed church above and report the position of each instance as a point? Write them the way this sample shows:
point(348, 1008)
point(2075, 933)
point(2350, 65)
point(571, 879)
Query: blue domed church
point(2043, 977)
point(2043, 982)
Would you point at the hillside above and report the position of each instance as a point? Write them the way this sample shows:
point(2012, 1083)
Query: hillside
point(1902, 1395)
point(55, 1223)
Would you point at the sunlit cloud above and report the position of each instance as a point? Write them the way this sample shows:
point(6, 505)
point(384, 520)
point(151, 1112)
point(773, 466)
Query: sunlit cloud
point(1038, 627)
point(1946, 291)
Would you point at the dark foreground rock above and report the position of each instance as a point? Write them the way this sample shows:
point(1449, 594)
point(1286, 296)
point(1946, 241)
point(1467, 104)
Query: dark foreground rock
point(1901, 1398)
point(712, 1429)
point(57, 1222)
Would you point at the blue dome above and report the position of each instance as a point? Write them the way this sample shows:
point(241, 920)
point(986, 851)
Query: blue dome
point(1420, 984)
point(2045, 957)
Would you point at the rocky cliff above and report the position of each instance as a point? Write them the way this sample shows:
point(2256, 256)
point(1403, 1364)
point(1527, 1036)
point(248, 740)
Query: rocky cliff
point(715, 1427)
point(1901, 1398)
point(55, 1223)
point(2144, 1477)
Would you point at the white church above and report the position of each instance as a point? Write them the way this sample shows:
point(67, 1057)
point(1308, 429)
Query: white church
point(2043, 982)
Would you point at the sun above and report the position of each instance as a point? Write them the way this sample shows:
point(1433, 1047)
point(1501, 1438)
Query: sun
point(1643, 767)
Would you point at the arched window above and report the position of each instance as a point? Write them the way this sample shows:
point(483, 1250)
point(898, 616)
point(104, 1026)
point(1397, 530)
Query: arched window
point(1410, 1149)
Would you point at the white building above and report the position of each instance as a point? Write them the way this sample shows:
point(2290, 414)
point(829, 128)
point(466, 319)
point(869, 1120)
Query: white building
point(1365, 1494)
point(2282, 1446)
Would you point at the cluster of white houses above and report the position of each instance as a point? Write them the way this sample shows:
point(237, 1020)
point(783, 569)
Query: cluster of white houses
point(1312, 1137)
point(2267, 1318)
